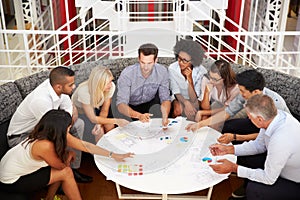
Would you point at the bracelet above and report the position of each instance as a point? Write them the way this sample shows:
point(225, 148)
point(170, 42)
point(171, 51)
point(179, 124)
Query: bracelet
point(110, 154)
point(234, 137)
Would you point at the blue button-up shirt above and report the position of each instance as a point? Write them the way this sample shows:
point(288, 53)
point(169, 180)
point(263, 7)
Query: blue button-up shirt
point(238, 102)
point(134, 89)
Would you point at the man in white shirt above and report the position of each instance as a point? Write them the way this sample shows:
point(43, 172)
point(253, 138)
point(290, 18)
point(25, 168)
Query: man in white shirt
point(278, 177)
point(53, 93)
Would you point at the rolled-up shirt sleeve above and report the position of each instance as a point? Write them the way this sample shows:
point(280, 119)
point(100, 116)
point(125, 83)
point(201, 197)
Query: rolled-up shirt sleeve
point(164, 91)
point(173, 82)
point(66, 104)
point(235, 105)
point(123, 85)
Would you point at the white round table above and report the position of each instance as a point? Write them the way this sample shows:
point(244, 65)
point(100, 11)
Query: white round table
point(165, 163)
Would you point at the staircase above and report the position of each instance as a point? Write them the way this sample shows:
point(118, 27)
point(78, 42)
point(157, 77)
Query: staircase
point(156, 21)
point(113, 29)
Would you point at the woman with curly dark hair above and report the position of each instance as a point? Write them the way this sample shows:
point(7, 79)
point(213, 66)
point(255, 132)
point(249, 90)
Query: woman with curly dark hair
point(186, 77)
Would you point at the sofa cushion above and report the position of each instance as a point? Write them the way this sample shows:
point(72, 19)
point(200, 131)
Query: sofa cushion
point(83, 70)
point(29, 83)
point(10, 99)
point(285, 85)
point(3, 140)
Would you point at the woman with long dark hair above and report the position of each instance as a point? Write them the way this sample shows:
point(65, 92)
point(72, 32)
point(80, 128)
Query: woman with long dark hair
point(43, 159)
point(220, 88)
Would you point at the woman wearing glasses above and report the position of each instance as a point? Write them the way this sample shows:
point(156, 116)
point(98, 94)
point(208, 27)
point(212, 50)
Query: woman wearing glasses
point(186, 77)
point(219, 90)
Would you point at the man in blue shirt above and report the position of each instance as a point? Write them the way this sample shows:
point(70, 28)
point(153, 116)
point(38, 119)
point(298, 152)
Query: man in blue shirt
point(142, 85)
point(278, 177)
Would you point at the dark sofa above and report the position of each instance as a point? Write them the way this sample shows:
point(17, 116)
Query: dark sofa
point(12, 93)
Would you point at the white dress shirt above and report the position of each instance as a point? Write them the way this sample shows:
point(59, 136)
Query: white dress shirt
point(179, 85)
point(281, 140)
point(42, 99)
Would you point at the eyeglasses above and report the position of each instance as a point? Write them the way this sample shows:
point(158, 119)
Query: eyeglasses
point(214, 79)
point(183, 60)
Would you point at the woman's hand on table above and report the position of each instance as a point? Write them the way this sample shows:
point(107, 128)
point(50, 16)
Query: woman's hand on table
point(193, 126)
point(121, 157)
point(121, 122)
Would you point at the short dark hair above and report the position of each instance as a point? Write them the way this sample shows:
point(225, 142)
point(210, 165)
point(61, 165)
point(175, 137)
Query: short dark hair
point(58, 75)
point(251, 80)
point(148, 49)
point(193, 48)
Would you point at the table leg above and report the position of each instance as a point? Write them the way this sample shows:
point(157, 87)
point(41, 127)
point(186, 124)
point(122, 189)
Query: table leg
point(164, 196)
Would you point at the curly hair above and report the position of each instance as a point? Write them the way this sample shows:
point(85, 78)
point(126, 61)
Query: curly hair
point(193, 48)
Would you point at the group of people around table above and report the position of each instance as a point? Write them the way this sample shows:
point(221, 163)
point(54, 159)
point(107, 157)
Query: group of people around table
point(45, 129)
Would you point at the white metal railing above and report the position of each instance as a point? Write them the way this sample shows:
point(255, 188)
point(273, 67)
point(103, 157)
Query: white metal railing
point(93, 40)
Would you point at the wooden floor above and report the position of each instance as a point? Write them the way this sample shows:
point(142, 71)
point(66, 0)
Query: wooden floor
point(101, 189)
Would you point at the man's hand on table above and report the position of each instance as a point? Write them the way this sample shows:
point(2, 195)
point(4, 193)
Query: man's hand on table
point(165, 121)
point(145, 117)
point(221, 149)
point(224, 166)
point(226, 138)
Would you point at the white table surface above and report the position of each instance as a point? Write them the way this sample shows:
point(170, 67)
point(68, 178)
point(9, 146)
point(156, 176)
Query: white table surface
point(188, 173)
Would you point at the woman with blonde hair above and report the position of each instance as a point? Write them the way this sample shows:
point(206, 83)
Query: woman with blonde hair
point(93, 98)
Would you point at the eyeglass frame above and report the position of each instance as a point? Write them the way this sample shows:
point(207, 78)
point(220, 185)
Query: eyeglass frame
point(214, 79)
point(183, 60)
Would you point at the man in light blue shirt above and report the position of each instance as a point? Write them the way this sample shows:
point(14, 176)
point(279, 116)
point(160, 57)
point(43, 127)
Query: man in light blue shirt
point(279, 176)
point(143, 85)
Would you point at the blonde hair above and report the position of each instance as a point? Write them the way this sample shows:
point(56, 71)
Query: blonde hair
point(97, 81)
